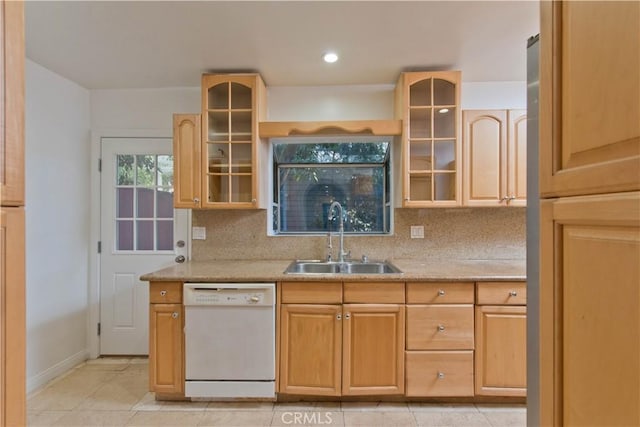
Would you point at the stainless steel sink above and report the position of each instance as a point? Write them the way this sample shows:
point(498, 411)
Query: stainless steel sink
point(347, 267)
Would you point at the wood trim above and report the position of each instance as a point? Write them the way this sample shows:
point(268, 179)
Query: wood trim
point(349, 127)
point(12, 93)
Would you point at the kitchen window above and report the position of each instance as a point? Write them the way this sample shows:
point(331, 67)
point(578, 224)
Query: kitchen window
point(311, 173)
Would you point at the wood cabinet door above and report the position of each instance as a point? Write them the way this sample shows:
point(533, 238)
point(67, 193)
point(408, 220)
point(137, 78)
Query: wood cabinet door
point(12, 318)
point(310, 349)
point(373, 349)
point(589, 97)
point(501, 350)
point(187, 174)
point(166, 348)
point(12, 56)
point(590, 310)
point(517, 157)
point(484, 157)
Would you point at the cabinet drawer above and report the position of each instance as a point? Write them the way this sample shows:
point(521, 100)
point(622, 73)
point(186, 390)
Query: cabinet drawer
point(165, 292)
point(311, 292)
point(439, 373)
point(502, 293)
point(440, 327)
point(440, 293)
point(374, 292)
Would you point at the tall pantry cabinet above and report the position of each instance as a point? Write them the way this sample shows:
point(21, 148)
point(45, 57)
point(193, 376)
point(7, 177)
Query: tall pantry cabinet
point(12, 248)
point(590, 213)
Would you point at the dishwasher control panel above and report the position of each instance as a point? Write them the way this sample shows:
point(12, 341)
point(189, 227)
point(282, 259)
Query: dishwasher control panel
point(234, 294)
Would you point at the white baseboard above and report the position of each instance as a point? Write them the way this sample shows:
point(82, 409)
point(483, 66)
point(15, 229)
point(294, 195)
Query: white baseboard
point(37, 381)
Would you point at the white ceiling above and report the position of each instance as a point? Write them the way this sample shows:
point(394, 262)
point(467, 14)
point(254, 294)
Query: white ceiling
point(145, 44)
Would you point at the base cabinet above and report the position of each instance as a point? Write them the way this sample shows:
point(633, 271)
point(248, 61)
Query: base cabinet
point(310, 352)
point(341, 349)
point(501, 339)
point(166, 340)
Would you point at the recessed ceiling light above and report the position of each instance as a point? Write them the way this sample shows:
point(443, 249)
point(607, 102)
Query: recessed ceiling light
point(443, 110)
point(330, 57)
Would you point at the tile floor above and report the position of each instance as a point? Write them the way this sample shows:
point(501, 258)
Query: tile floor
point(113, 392)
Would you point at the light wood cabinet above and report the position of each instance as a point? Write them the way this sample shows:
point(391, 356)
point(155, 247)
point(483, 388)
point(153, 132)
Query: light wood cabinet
point(218, 155)
point(590, 310)
point(330, 348)
point(494, 147)
point(12, 317)
point(231, 160)
point(186, 166)
point(166, 340)
point(589, 102)
point(590, 235)
point(310, 349)
point(429, 105)
point(373, 349)
point(439, 339)
point(501, 358)
point(12, 54)
point(12, 216)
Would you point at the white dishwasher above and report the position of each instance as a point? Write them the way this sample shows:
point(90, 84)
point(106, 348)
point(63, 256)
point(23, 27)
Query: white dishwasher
point(229, 333)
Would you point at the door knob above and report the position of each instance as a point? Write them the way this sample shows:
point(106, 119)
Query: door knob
point(180, 259)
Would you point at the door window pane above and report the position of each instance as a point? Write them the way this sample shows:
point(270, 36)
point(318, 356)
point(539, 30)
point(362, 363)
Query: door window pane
point(145, 170)
point(124, 202)
point(145, 202)
point(164, 203)
point(144, 235)
point(165, 171)
point(164, 233)
point(124, 235)
point(124, 171)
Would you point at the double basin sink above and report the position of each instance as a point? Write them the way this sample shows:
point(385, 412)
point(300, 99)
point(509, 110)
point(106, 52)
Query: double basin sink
point(347, 267)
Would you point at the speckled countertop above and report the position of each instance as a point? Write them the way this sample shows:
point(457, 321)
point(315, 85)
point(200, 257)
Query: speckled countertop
point(273, 270)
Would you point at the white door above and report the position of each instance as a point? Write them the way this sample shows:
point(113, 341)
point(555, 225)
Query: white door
point(140, 232)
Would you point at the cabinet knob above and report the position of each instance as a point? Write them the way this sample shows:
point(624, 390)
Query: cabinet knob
point(347, 316)
point(513, 294)
point(339, 316)
point(163, 293)
point(196, 200)
point(441, 293)
point(175, 314)
point(440, 328)
point(440, 375)
point(253, 201)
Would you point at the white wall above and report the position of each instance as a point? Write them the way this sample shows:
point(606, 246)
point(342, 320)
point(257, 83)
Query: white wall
point(57, 223)
point(152, 108)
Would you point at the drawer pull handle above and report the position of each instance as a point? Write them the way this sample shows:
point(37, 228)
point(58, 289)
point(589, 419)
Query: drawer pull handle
point(440, 328)
point(174, 315)
point(347, 316)
point(441, 293)
point(339, 316)
point(163, 293)
point(513, 294)
point(440, 375)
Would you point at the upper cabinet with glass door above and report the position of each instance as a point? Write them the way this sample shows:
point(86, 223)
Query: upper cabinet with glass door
point(429, 105)
point(232, 106)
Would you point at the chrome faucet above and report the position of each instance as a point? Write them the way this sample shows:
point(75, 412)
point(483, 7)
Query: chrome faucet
point(331, 215)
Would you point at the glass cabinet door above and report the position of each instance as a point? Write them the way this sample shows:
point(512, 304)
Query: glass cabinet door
point(229, 142)
point(431, 140)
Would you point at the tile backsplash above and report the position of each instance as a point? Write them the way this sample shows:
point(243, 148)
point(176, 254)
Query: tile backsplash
point(461, 233)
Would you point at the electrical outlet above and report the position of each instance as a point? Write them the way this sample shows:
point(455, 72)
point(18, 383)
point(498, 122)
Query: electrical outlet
point(198, 233)
point(417, 231)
